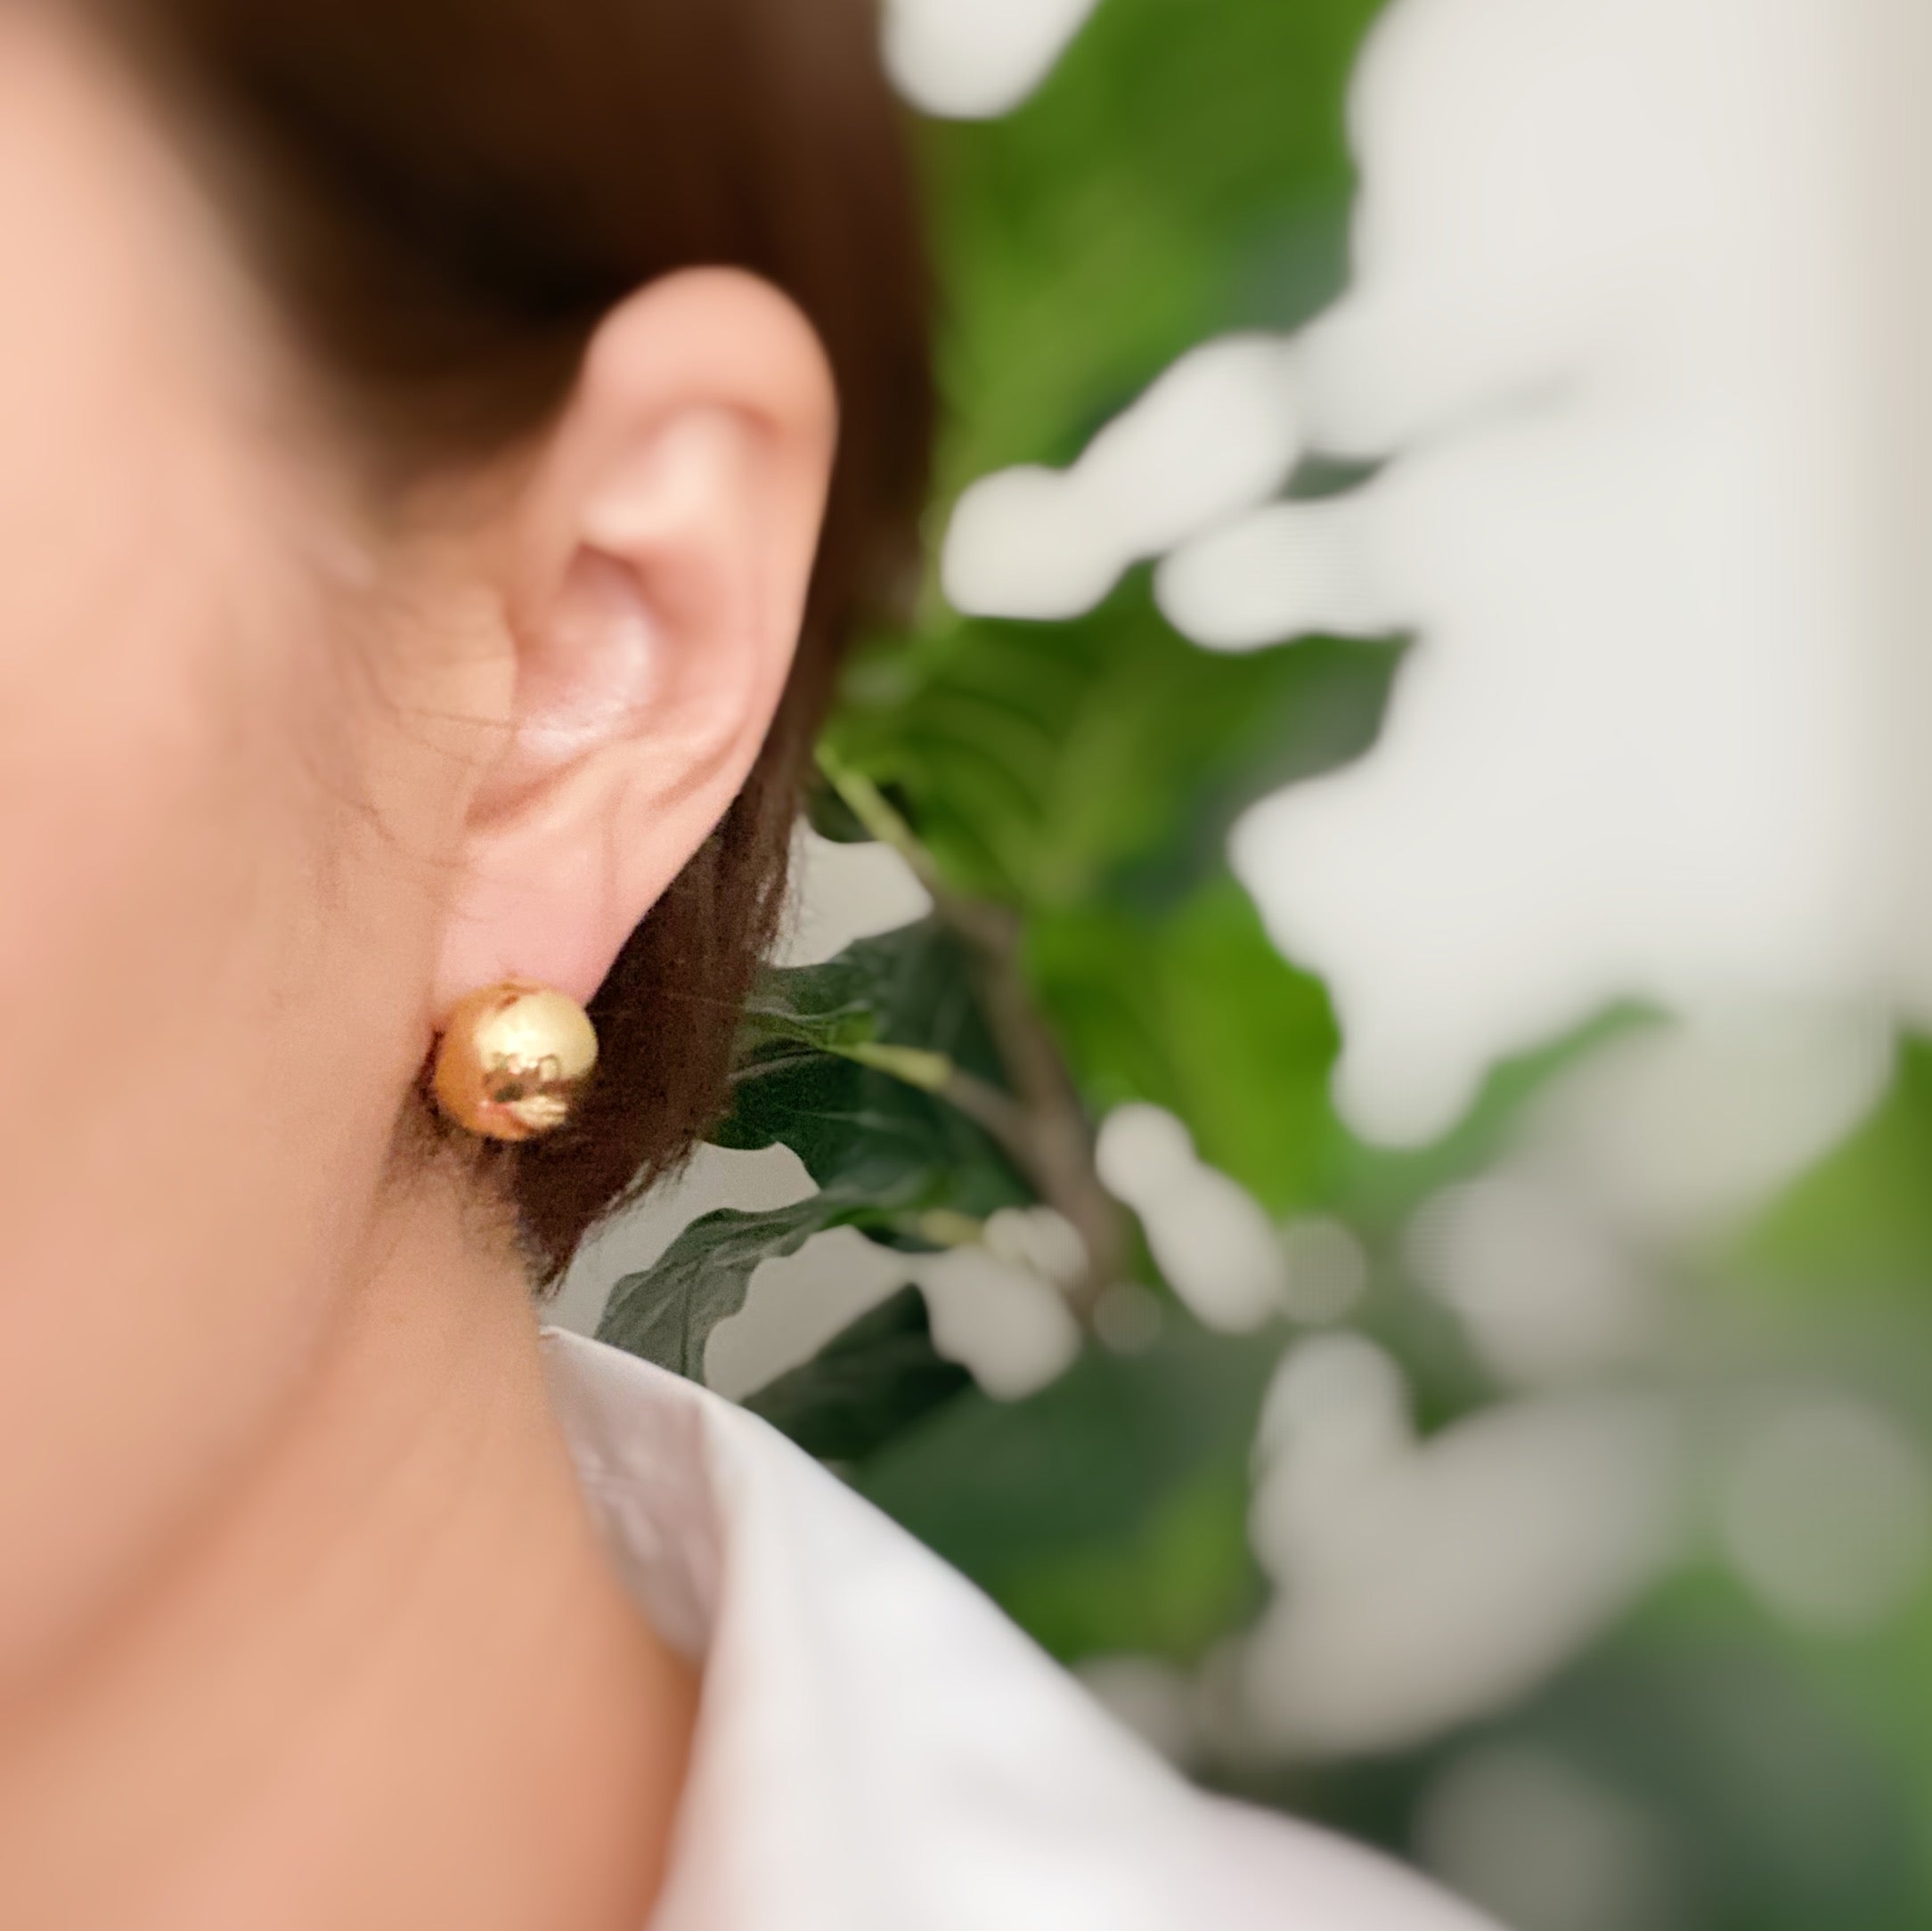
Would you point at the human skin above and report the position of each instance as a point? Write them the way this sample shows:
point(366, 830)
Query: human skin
point(303, 1620)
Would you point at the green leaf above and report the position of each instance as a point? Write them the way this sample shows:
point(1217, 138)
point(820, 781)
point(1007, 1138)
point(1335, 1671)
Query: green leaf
point(1106, 1513)
point(1043, 764)
point(867, 1386)
point(1173, 1587)
point(1861, 1222)
point(832, 818)
point(667, 1313)
point(1377, 1188)
point(1184, 169)
point(859, 1126)
point(1198, 1013)
point(886, 1154)
point(839, 1009)
point(912, 986)
point(770, 1022)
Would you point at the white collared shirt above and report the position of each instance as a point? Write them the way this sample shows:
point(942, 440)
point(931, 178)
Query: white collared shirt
point(879, 1748)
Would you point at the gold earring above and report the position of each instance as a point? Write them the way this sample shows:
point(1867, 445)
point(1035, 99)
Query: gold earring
point(513, 1060)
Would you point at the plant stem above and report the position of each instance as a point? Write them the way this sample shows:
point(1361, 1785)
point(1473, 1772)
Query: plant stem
point(1042, 1126)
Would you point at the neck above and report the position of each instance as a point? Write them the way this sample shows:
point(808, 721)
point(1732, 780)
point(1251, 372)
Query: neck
point(394, 1680)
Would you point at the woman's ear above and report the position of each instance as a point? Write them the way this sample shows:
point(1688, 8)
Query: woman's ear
point(658, 560)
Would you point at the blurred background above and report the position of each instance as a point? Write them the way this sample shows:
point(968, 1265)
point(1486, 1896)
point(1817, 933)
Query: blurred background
point(1343, 1122)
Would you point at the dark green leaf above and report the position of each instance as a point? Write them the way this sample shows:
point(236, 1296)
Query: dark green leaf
point(1198, 1013)
point(1186, 170)
point(912, 986)
point(867, 1386)
point(855, 1127)
point(832, 818)
point(883, 1152)
point(667, 1313)
point(1047, 763)
point(1107, 1513)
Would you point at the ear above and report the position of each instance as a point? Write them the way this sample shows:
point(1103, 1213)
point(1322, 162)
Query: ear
point(659, 556)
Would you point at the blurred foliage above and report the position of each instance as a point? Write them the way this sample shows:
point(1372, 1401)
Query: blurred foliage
point(885, 1153)
point(867, 1388)
point(1864, 1219)
point(1067, 790)
point(1108, 1513)
point(1196, 1012)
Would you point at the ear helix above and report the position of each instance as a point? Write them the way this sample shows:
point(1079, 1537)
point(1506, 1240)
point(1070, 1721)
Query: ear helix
point(513, 1060)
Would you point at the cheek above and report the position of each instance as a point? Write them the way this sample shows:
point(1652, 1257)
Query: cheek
point(205, 981)
point(166, 840)
point(205, 950)
point(159, 845)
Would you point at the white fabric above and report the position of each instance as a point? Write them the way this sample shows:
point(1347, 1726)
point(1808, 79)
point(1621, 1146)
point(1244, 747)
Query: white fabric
point(879, 1748)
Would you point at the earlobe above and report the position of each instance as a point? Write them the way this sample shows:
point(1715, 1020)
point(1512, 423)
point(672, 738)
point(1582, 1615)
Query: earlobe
point(662, 553)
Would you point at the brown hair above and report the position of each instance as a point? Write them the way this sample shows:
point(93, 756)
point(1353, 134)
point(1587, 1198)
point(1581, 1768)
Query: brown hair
point(447, 195)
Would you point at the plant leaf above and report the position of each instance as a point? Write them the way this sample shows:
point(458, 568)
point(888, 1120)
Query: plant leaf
point(1042, 764)
point(867, 1386)
point(666, 1313)
point(884, 1152)
point(1194, 1010)
point(857, 1126)
point(1108, 1511)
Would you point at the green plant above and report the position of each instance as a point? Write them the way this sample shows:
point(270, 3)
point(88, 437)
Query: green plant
point(1063, 791)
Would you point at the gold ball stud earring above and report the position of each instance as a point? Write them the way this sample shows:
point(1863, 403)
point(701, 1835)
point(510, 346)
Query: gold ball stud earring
point(512, 1061)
